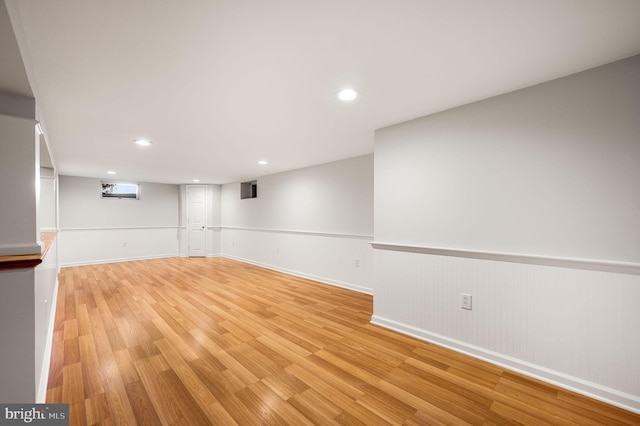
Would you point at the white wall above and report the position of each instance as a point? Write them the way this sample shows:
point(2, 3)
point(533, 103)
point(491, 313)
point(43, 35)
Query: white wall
point(45, 297)
point(214, 220)
point(48, 207)
point(551, 170)
point(334, 198)
point(96, 230)
point(17, 186)
point(17, 357)
point(530, 202)
point(315, 222)
point(22, 291)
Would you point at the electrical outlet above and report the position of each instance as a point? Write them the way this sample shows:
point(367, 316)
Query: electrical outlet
point(124, 244)
point(277, 251)
point(465, 301)
point(357, 263)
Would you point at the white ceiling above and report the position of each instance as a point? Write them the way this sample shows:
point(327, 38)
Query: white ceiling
point(219, 85)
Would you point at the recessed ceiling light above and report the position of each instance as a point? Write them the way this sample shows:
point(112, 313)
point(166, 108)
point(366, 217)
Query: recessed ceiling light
point(111, 172)
point(196, 180)
point(347, 95)
point(263, 162)
point(142, 142)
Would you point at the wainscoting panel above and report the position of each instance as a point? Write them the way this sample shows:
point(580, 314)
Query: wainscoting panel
point(577, 328)
point(214, 241)
point(341, 260)
point(106, 245)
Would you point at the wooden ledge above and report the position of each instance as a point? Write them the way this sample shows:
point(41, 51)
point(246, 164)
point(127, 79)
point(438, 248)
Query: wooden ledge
point(29, 260)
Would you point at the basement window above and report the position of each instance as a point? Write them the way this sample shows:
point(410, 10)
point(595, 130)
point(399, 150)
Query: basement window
point(120, 190)
point(249, 189)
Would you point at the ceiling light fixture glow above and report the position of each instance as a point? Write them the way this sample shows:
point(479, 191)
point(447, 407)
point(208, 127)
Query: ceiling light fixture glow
point(263, 162)
point(196, 180)
point(111, 172)
point(347, 95)
point(142, 142)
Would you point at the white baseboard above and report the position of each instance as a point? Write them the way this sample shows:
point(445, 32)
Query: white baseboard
point(348, 286)
point(41, 391)
point(117, 260)
point(593, 390)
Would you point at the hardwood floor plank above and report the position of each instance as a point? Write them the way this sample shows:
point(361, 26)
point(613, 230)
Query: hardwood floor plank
point(165, 407)
point(285, 385)
point(606, 414)
point(72, 384)
point(191, 411)
point(550, 403)
point(54, 394)
point(449, 382)
point(189, 341)
point(425, 409)
point(193, 384)
point(77, 415)
point(254, 361)
point(84, 322)
point(275, 358)
point(113, 335)
point(385, 406)
point(219, 416)
point(120, 407)
point(266, 413)
point(240, 413)
point(126, 368)
point(69, 305)
point(141, 404)
point(461, 407)
point(315, 407)
point(284, 347)
point(96, 409)
point(57, 359)
point(361, 372)
point(71, 351)
point(278, 405)
point(520, 417)
point(342, 394)
point(91, 379)
point(357, 414)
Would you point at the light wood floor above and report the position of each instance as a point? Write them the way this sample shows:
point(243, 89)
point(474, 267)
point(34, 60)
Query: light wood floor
point(213, 341)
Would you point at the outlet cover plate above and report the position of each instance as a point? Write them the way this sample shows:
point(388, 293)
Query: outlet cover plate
point(465, 301)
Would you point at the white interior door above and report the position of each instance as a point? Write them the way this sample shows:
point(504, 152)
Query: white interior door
point(197, 220)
